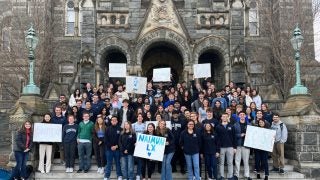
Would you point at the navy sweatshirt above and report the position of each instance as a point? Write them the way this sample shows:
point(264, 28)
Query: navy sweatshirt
point(126, 142)
point(59, 120)
point(177, 127)
point(69, 133)
point(112, 136)
point(169, 138)
point(212, 121)
point(191, 143)
point(209, 143)
point(226, 136)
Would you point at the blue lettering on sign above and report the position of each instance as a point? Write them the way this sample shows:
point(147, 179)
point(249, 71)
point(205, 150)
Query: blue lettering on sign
point(152, 142)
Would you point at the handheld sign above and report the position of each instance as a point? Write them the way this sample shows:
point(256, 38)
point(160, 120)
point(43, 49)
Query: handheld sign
point(161, 75)
point(150, 147)
point(117, 70)
point(136, 84)
point(202, 70)
point(44, 132)
point(259, 138)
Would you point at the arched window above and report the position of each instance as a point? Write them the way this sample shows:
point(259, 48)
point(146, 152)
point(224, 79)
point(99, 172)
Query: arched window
point(203, 20)
point(122, 19)
point(113, 19)
point(253, 19)
point(212, 20)
point(70, 18)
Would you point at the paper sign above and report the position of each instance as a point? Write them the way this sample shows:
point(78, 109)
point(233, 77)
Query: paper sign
point(150, 147)
point(44, 132)
point(117, 70)
point(136, 84)
point(161, 75)
point(259, 138)
point(168, 124)
point(202, 70)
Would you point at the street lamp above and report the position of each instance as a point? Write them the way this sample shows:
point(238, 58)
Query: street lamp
point(31, 41)
point(296, 42)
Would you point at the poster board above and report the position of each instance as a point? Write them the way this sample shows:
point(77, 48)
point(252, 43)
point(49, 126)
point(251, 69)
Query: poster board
point(45, 132)
point(202, 70)
point(161, 75)
point(259, 138)
point(117, 70)
point(137, 85)
point(150, 147)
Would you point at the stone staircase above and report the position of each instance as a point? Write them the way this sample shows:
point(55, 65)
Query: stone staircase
point(58, 172)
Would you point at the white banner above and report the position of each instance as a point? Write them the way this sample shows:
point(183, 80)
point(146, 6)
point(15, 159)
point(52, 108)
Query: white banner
point(168, 124)
point(45, 132)
point(150, 147)
point(117, 70)
point(137, 85)
point(161, 75)
point(259, 138)
point(202, 70)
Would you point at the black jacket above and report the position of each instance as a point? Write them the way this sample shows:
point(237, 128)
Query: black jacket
point(111, 138)
point(177, 128)
point(21, 140)
point(190, 143)
point(170, 139)
point(226, 136)
point(127, 142)
point(130, 115)
point(210, 143)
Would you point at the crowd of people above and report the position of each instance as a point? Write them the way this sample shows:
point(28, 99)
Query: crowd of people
point(207, 125)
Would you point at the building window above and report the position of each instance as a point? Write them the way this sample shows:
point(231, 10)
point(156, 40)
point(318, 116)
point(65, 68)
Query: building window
point(113, 19)
point(253, 19)
point(122, 20)
point(6, 39)
point(70, 18)
point(203, 20)
point(80, 22)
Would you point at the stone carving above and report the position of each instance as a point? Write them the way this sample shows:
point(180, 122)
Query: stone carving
point(113, 19)
point(86, 57)
point(208, 20)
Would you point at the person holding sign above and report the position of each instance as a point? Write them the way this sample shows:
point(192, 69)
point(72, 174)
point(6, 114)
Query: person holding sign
point(21, 147)
point(261, 156)
point(163, 131)
point(45, 150)
point(147, 163)
point(127, 144)
point(190, 142)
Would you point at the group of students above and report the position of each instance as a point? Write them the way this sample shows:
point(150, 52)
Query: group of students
point(215, 135)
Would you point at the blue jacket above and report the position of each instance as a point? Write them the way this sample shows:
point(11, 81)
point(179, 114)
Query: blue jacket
point(127, 142)
point(237, 128)
point(191, 143)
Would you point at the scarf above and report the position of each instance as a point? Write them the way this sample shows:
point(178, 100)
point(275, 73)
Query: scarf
point(28, 132)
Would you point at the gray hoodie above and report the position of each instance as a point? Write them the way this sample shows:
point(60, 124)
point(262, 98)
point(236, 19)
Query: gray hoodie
point(281, 135)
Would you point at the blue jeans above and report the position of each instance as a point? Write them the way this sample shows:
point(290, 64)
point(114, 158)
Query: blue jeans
point(193, 160)
point(20, 170)
point(127, 165)
point(211, 165)
point(84, 151)
point(166, 170)
point(139, 165)
point(110, 156)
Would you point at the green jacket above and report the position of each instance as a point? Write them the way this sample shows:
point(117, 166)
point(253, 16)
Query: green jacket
point(85, 130)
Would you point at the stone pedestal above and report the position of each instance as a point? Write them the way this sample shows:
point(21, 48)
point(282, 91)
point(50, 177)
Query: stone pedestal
point(302, 117)
point(28, 107)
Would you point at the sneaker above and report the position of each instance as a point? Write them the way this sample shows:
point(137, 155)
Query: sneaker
point(42, 172)
point(258, 176)
point(275, 170)
point(120, 178)
point(101, 171)
point(137, 177)
point(79, 171)
point(67, 170)
point(255, 171)
point(98, 171)
point(86, 171)
point(266, 178)
point(281, 171)
point(235, 177)
point(106, 178)
point(249, 178)
point(71, 170)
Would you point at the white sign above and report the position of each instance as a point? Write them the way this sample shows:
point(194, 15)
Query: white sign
point(259, 138)
point(202, 70)
point(150, 147)
point(117, 70)
point(161, 75)
point(136, 84)
point(168, 124)
point(45, 132)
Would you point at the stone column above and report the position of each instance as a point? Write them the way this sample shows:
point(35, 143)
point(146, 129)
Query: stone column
point(302, 117)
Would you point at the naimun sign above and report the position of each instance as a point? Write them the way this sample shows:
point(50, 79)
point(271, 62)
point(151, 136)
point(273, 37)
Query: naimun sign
point(150, 147)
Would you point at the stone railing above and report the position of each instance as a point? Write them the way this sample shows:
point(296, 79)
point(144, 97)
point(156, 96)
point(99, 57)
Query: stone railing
point(117, 20)
point(208, 20)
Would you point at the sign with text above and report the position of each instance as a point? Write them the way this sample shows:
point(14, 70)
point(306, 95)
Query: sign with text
point(202, 70)
point(150, 147)
point(117, 70)
point(168, 124)
point(45, 132)
point(161, 75)
point(259, 138)
point(136, 84)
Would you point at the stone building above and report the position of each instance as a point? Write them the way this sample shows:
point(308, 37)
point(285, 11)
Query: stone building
point(233, 35)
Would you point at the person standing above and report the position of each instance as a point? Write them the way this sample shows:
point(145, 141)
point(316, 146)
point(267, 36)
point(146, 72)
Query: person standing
point(163, 131)
point(280, 139)
point(69, 139)
point(242, 151)
point(228, 147)
point(84, 139)
point(147, 163)
point(262, 156)
point(21, 147)
point(58, 118)
point(99, 131)
point(190, 142)
point(45, 150)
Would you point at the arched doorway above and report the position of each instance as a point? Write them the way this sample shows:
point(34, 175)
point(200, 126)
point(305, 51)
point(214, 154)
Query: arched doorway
point(162, 55)
point(113, 56)
point(214, 57)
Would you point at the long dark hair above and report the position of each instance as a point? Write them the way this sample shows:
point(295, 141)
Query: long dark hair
point(154, 129)
point(23, 128)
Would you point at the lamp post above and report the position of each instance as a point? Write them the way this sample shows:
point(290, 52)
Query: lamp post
point(31, 41)
point(296, 42)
